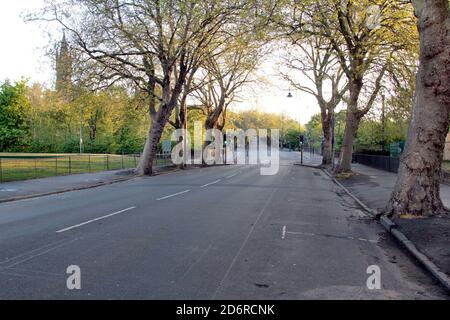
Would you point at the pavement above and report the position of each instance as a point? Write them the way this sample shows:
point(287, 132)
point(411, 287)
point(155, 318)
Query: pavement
point(29, 188)
point(431, 236)
point(310, 159)
point(222, 232)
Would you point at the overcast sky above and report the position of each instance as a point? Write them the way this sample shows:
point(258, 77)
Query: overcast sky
point(22, 56)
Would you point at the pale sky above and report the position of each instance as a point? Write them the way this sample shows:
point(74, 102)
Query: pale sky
point(22, 55)
point(22, 50)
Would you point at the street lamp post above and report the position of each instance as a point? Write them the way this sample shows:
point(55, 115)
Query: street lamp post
point(185, 145)
point(81, 128)
point(383, 123)
point(332, 140)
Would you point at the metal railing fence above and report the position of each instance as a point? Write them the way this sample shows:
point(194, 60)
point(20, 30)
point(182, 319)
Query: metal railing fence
point(25, 167)
point(385, 163)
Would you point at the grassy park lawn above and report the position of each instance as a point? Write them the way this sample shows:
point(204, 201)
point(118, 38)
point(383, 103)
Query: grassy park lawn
point(17, 166)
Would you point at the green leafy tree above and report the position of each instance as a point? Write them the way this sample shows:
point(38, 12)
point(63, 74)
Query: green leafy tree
point(369, 39)
point(314, 130)
point(14, 107)
point(253, 119)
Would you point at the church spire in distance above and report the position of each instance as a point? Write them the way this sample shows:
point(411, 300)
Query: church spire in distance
point(64, 69)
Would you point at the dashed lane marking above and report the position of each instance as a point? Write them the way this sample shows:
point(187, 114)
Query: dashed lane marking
point(210, 184)
point(95, 220)
point(173, 195)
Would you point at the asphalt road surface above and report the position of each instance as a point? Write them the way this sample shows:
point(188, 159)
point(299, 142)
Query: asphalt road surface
point(213, 233)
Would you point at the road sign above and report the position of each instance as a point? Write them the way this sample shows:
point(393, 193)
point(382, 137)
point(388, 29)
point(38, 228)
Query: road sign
point(396, 149)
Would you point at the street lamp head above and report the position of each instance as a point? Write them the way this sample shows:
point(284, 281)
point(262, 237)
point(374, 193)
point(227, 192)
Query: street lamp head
point(290, 95)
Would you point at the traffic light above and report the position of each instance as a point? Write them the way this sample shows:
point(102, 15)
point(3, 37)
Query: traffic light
point(302, 139)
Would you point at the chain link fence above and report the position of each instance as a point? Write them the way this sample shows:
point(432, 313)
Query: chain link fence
point(25, 167)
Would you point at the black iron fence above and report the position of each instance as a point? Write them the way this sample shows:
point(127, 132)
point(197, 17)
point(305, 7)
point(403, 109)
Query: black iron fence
point(312, 150)
point(15, 167)
point(385, 163)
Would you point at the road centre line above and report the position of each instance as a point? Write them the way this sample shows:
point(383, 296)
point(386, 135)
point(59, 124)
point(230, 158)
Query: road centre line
point(210, 184)
point(95, 220)
point(173, 195)
point(233, 262)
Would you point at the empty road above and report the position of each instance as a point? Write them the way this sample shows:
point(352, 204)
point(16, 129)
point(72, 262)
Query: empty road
point(212, 233)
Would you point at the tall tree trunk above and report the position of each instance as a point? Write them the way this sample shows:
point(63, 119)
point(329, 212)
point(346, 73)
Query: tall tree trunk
point(351, 127)
point(212, 120)
point(154, 136)
point(183, 124)
point(151, 148)
point(327, 116)
point(209, 124)
point(327, 146)
point(161, 117)
point(417, 190)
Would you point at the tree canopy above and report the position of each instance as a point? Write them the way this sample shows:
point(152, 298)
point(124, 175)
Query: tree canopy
point(14, 108)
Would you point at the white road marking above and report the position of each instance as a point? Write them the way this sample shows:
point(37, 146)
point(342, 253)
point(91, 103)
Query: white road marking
point(233, 262)
point(372, 241)
point(283, 233)
point(302, 233)
point(210, 184)
point(232, 176)
point(313, 234)
point(95, 220)
point(173, 195)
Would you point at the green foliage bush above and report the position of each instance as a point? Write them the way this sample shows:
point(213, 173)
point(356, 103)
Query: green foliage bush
point(70, 146)
point(14, 105)
point(127, 142)
point(101, 146)
point(43, 146)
